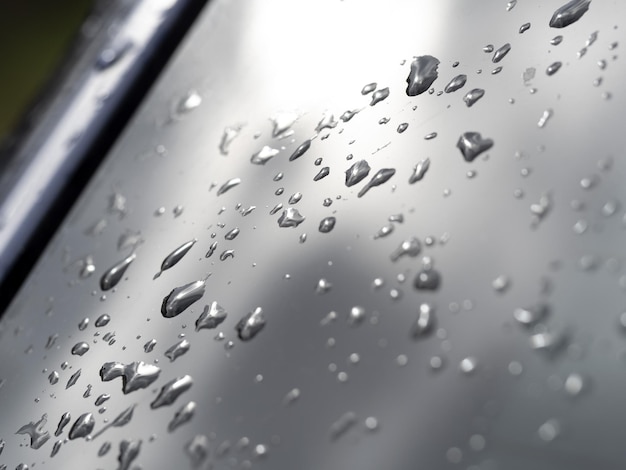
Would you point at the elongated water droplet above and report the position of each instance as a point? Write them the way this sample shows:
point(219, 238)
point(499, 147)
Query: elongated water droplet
point(382, 176)
point(473, 96)
point(212, 316)
point(422, 75)
point(342, 425)
point(230, 184)
point(251, 324)
point(171, 391)
point(114, 275)
point(104, 449)
point(264, 155)
point(176, 255)
point(102, 399)
point(472, 145)
point(129, 450)
point(411, 247)
point(553, 68)
point(323, 173)
point(356, 316)
point(83, 426)
point(84, 323)
point(379, 95)
point(384, 231)
point(177, 350)
point(419, 171)
point(425, 322)
point(73, 379)
point(231, 234)
point(230, 133)
point(295, 198)
point(35, 431)
point(357, 172)
point(349, 114)
point(529, 316)
point(511, 4)
point(212, 249)
point(370, 87)
point(149, 346)
point(290, 217)
point(182, 416)
point(53, 378)
point(297, 153)
point(456, 83)
point(327, 224)
point(430, 136)
point(181, 298)
point(102, 320)
point(545, 117)
point(55, 448)
point(556, 40)
point(569, 13)
point(197, 450)
point(80, 348)
point(501, 53)
point(135, 376)
point(402, 127)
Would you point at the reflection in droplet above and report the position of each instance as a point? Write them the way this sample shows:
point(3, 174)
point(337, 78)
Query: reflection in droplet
point(171, 391)
point(251, 324)
point(569, 13)
point(114, 274)
point(189, 102)
point(181, 298)
point(422, 75)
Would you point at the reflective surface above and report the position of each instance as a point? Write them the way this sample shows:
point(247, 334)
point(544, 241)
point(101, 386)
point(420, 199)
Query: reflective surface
point(465, 311)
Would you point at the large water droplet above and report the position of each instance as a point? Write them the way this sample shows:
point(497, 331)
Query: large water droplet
point(114, 275)
point(424, 324)
point(302, 148)
point(569, 13)
point(473, 96)
point(327, 224)
point(181, 298)
point(102, 320)
point(251, 324)
point(129, 450)
point(182, 416)
point(135, 376)
point(419, 171)
point(264, 155)
point(423, 74)
point(82, 426)
point(177, 350)
point(176, 255)
point(171, 391)
point(379, 95)
point(456, 83)
point(427, 279)
point(472, 144)
point(357, 172)
point(382, 176)
point(290, 217)
point(80, 348)
point(501, 53)
point(212, 316)
point(35, 431)
point(230, 184)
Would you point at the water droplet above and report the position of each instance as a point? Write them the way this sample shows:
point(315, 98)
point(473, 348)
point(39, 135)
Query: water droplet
point(569, 13)
point(357, 172)
point(545, 117)
point(171, 391)
point(370, 87)
point(323, 173)
point(384, 231)
point(342, 425)
point(102, 399)
point(422, 75)
point(197, 449)
point(283, 122)
point(379, 95)
point(501, 283)
point(549, 430)
point(510, 5)
point(114, 275)
point(135, 376)
point(104, 449)
point(51, 341)
point(468, 365)
point(53, 378)
point(149, 346)
point(556, 40)
point(290, 217)
point(189, 102)
point(488, 49)
point(276, 208)
point(427, 279)
point(176, 255)
point(211, 317)
point(356, 315)
point(177, 350)
point(531, 315)
point(129, 450)
point(456, 83)
point(501, 53)
point(232, 234)
point(496, 71)
point(230, 184)
point(182, 416)
point(251, 324)
point(230, 134)
point(347, 115)
point(327, 224)
point(35, 431)
point(55, 448)
point(402, 127)
point(291, 396)
point(327, 122)
point(411, 247)
point(301, 150)
point(80, 348)
point(430, 136)
point(472, 144)
point(382, 176)
point(473, 96)
point(419, 171)
point(65, 419)
point(547, 341)
point(82, 426)
point(525, 27)
point(73, 379)
point(181, 298)
point(211, 250)
point(574, 384)
point(425, 321)
point(264, 155)
point(553, 68)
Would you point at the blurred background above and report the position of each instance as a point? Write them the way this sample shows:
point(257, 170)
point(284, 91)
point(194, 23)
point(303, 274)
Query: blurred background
point(34, 36)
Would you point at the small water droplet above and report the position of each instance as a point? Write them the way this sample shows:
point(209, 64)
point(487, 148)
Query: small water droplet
point(357, 172)
point(282, 123)
point(425, 322)
point(327, 224)
point(411, 247)
point(197, 450)
point(83, 426)
point(73, 379)
point(189, 102)
point(181, 298)
point(295, 198)
point(55, 448)
point(38, 437)
point(290, 217)
point(211, 250)
point(430, 136)
point(553, 68)
point(456, 83)
point(549, 430)
point(501, 53)
point(501, 283)
point(402, 127)
point(171, 391)
point(472, 144)
point(427, 279)
point(422, 75)
point(349, 114)
point(232, 234)
point(301, 150)
point(531, 315)
point(370, 87)
point(53, 378)
point(574, 385)
point(468, 365)
point(510, 5)
point(488, 49)
point(177, 350)
point(356, 315)
point(229, 134)
point(545, 117)
point(80, 348)
point(327, 122)
point(525, 27)
point(251, 324)
point(182, 416)
point(379, 95)
point(114, 274)
point(556, 40)
point(323, 173)
point(569, 13)
point(382, 176)
point(342, 425)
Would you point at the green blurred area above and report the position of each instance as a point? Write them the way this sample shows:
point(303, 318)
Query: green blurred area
point(34, 35)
